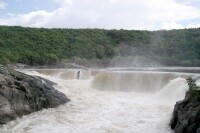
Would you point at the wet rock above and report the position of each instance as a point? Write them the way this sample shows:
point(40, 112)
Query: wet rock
point(17, 66)
point(21, 94)
point(186, 115)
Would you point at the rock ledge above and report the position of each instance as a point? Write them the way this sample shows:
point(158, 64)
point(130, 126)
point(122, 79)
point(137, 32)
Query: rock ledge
point(186, 115)
point(21, 94)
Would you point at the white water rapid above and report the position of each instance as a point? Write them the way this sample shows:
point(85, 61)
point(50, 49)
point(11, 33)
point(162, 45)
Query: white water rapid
point(106, 102)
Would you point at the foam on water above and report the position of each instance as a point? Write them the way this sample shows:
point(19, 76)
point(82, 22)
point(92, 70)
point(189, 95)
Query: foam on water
point(94, 111)
point(173, 91)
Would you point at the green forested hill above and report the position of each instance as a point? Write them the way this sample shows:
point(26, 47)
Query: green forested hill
point(41, 46)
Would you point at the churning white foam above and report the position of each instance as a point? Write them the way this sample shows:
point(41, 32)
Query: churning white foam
point(92, 110)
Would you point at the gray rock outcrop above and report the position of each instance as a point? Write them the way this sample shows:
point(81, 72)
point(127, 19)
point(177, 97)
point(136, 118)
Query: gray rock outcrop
point(21, 94)
point(186, 115)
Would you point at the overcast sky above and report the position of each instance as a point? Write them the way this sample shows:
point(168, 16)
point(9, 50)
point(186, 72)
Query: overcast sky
point(106, 14)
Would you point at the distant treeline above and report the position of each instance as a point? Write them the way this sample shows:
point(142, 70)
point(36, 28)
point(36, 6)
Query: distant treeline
point(40, 46)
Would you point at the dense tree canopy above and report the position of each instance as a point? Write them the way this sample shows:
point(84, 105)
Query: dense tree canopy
point(40, 46)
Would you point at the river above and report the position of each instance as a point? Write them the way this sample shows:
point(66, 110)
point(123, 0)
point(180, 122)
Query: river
point(107, 101)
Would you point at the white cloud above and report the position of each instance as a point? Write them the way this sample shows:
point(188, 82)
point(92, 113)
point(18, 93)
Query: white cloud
point(189, 2)
point(174, 25)
point(170, 26)
point(3, 5)
point(63, 2)
point(109, 14)
point(33, 19)
point(193, 25)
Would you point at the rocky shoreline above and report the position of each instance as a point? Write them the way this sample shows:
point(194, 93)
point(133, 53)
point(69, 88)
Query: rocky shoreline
point(21, 94)
point(186, 115)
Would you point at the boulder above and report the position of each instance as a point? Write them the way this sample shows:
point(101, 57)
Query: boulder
point(21, 94)
point(186, 115)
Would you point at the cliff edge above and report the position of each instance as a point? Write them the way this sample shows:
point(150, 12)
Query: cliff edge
point(186, 114)
point(21, 94)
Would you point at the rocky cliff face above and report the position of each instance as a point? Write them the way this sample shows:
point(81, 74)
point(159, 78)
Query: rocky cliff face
point(22, 94)
point(186, 115)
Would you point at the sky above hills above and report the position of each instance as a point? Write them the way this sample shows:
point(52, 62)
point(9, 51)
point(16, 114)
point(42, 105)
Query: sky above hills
point(106, 14)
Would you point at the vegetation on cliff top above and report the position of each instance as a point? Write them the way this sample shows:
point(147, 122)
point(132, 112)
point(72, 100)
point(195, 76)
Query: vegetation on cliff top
point(193, 89)
point(40, 46)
